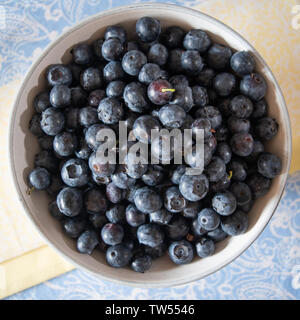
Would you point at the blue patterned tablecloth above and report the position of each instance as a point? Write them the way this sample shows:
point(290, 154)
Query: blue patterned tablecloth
point(269, 269)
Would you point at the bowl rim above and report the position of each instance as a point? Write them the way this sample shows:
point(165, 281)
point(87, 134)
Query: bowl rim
point(165, 6)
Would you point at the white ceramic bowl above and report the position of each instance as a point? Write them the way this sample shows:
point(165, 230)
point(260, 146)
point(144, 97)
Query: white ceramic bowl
point(23, 147)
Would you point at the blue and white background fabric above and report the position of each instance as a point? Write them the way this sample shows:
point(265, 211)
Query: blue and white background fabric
point(269, 269)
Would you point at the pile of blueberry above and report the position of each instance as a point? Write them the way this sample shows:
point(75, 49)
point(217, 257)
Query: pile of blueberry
point(136, 213)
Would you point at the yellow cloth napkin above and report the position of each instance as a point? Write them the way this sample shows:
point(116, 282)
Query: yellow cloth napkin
point(268, 25)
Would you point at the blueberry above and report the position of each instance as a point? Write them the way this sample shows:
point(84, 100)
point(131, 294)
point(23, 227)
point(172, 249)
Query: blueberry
point(98, 220)
point(72, 119)
point(194, 187)
point(224, 84)
point(101, 181)
point(157, 251)
point(129, 193)
point(91, 79)
point(76, 70)
point(241, 192)
point(64, 144)
point(242, 63)
point(135, 169)
point(112, 233)
point(200, 96)
point(253, 86)
point(197, 229)
point(242, 144)
point(99, 168)
point(247, 207)
point(69, 201)
point(191, 62)
point(177, 173)
point(259, 184)
point(113, 71)
point(236, 125)
point(47, 160)
point(158, 54)
point(197, 39)
point(235, 224)
point(183, 96)
point(177, 228)
point(60, 96)
point(149, 72)
point(191, 210)
point(95, 201)
point(269, 165)
point(133, 61)
point(82, 54)
point(216, 169)
point(221, 133)
point(116, 214)
point(172, 116)
point(260, 109)
point(114, 194)
point(118, 256)
point(59, 74)
point(134, 217)
point(116, 32)
point(153, 176)
point(78, 97)
point(161, 216)
point(93, 134)
point(179, 81)
point(159, 93)
point(97, 48)
point(221, 184)
point(173, 200)
point(147, 200)
point(87, 241)
point(112, 49)
point(181, 252)
point(74, 227)
point(205, 247)
point(141, 264)
point(172, 37)
point(41, 102)
point(150, 235)
point(241, 107)
point(224, 152)
point(212, 114)
point(208, 219)
point(219, 56)
point(148, 29)
point(205, 77)
point(266, 128)
point(217, 234)
point(174, 61)
point(55, 186)
point(54, 211)
point(238, 169)
point(135, 97)
point(88, 116)
point(224, 203)
point(110, 110)
point(223, 106)
point(35, 125)
point(115, 89)
point(74, 173)
point(121, 179)
point(142, 128)
point(39, 178)
point(95, 97)
point(203, 124)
